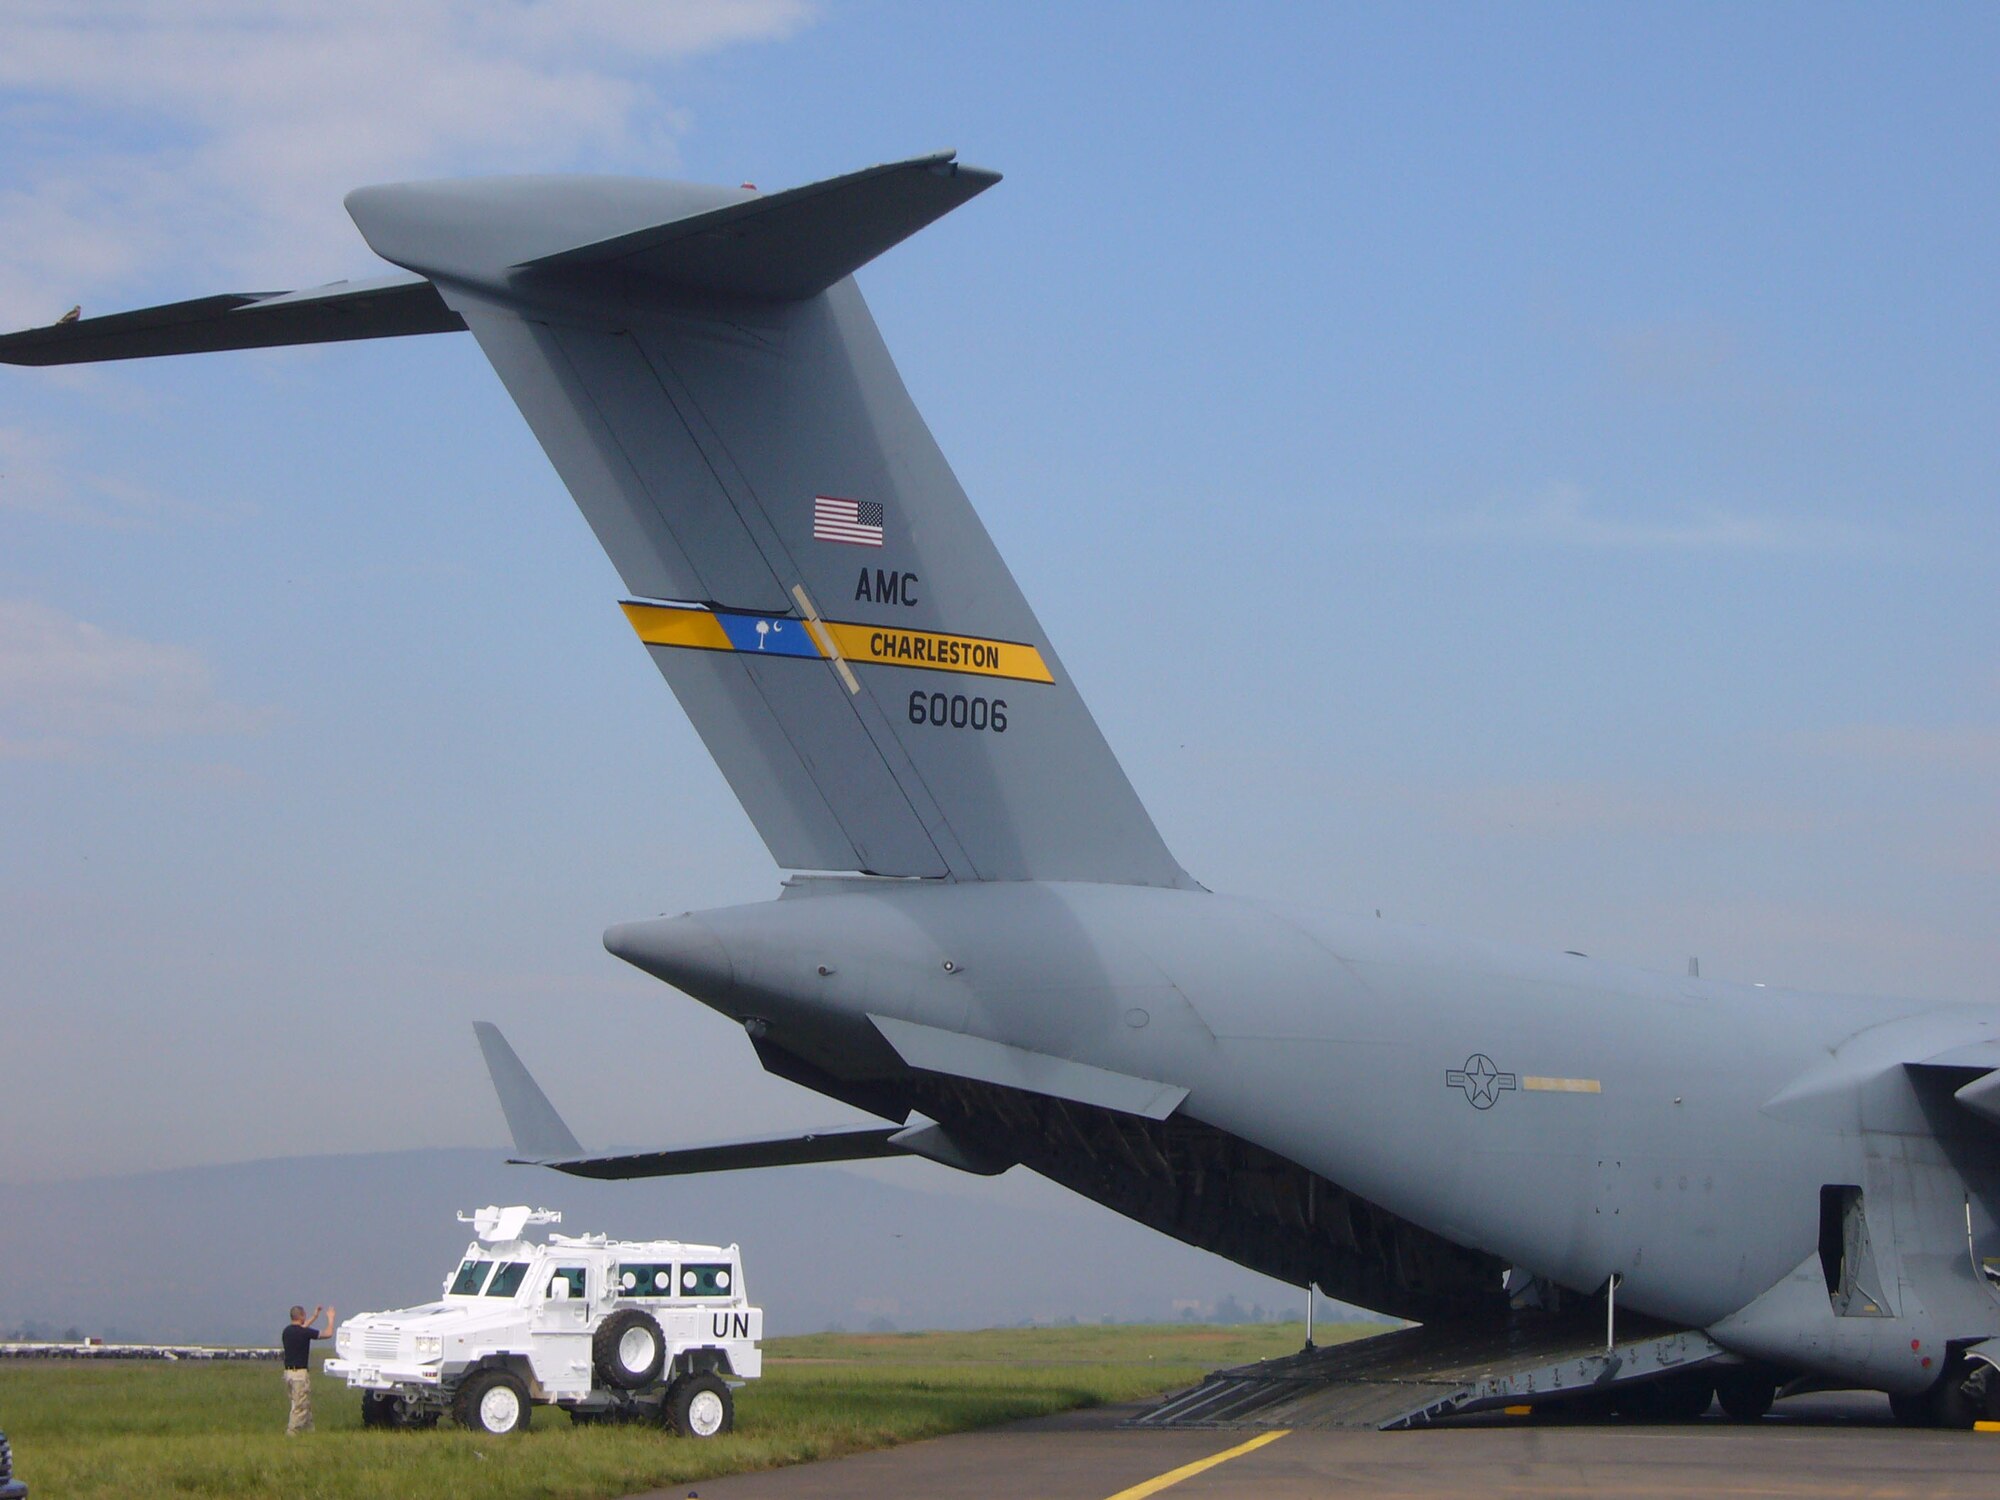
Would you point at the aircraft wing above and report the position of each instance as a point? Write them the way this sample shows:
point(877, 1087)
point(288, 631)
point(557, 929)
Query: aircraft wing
point(379, 308)
point(864, 1143)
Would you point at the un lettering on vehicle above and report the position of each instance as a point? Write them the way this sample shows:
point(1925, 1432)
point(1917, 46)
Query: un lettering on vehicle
point(730, 1325)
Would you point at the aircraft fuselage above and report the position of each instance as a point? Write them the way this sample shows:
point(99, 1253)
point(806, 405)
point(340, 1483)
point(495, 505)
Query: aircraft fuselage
point(1575, 1119)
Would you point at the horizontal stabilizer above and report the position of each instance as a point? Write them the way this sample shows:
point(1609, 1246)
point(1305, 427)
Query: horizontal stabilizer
point(802, 566)
point(864, 1143)
point(543, 1140)
point(385, 307)
point(794, 244)
point(538, 1130)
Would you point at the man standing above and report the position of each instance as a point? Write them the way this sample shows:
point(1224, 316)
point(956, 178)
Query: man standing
point(298, 1341)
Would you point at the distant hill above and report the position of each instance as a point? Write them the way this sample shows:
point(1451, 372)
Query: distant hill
point(216, 1254)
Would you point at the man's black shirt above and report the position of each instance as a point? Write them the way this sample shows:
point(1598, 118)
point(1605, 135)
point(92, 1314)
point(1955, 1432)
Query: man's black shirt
point(298, 1339)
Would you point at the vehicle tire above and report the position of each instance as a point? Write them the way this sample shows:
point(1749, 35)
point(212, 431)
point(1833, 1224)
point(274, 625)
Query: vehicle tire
point(628, 1350)
point(700, 1406)
point(494, 1401)
point(1746, 1394)
point(387, 1409)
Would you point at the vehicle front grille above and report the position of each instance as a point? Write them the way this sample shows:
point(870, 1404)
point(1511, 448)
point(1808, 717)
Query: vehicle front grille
point(378, 1345)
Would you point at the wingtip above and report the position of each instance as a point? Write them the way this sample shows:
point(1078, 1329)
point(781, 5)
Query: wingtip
point(947, 164)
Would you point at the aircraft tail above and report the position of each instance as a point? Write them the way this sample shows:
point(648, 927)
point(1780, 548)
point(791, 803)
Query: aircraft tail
point(804, 568)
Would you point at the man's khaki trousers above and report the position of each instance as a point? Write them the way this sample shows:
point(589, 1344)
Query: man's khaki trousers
point(298, 1383)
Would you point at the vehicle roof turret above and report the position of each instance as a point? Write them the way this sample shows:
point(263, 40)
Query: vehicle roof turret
point(499, 1235)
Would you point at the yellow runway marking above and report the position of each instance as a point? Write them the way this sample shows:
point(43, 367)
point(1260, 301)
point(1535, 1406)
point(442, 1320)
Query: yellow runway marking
point(1188, 1471)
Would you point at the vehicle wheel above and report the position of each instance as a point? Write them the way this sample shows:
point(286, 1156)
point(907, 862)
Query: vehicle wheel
point(493, 1401)
point(700, 1406)
point(387, 1409)
point(1746, 1394)
point(628, 1350)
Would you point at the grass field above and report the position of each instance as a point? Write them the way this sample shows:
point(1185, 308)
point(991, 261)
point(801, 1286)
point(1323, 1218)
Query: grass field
point(84, 1430)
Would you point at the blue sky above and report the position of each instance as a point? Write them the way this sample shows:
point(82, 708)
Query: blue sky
point(1528, 469)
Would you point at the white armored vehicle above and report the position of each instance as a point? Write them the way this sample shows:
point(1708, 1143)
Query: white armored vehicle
point(607, 1329)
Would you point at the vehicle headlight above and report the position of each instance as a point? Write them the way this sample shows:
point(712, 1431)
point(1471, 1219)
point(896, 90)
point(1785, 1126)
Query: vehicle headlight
point(429, 1345)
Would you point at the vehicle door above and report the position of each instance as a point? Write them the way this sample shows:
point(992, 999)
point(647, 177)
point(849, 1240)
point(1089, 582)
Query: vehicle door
point(561, 1326)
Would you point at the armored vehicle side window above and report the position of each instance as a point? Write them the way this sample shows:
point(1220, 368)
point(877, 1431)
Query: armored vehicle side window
point(706, 1280)
point(507, 1280)
point(646, 1280)
point(470, 1275)
point(573, 1275)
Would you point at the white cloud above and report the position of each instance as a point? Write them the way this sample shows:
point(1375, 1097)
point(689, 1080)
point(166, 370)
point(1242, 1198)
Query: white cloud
point(221, 134)
point(1564, 516)
point(66, 684)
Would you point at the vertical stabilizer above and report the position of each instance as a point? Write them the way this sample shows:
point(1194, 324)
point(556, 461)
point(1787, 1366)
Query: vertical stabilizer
point(803, 566)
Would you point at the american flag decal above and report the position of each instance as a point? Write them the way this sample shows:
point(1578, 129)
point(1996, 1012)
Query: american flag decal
point(855, 521)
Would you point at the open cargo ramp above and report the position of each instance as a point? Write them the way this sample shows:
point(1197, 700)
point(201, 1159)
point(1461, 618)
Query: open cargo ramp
point(1416, 1376)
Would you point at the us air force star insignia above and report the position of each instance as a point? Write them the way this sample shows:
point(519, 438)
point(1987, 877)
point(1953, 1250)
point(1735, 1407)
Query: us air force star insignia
point(1483, 1083)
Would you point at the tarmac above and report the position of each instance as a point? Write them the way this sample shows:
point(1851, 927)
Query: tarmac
point(1828, 1447)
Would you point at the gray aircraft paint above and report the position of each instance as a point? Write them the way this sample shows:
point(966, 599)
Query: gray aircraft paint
point(1393, 1113)
point(653, 369)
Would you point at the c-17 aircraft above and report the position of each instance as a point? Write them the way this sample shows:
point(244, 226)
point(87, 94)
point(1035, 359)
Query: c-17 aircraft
point(995, 952)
